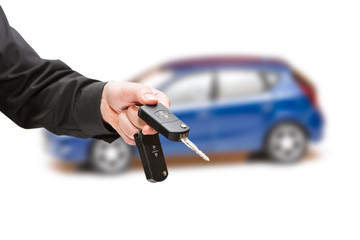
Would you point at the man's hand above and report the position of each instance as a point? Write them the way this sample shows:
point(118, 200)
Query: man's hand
point(117, 107)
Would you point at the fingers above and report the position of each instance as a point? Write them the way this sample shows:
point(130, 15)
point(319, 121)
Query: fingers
point(117, 107)
point(129, 124)
point(132, 114)
point(125, 137)
point(147, 95)
point(162, 98)
point(147, 130)
point(126, 126)
point(140, 93)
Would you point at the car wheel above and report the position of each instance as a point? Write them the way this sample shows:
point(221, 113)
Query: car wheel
point(112, 157)
point(286, 143)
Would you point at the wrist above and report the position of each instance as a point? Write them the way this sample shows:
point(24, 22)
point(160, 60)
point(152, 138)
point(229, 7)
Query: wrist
point(104, 105)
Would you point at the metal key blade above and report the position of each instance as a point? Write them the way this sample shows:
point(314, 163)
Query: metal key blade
point(192, 146)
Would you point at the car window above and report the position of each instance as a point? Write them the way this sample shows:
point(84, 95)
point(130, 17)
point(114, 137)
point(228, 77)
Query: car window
point(154, 77)
point(271, 78)
point(238, 83)
point(190, 89)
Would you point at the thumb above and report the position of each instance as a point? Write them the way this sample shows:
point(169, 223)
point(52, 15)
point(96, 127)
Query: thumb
point(145, 95)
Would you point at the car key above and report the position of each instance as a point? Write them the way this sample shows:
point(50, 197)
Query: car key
point(149, 146)
point(152, 157)
point(166, 123)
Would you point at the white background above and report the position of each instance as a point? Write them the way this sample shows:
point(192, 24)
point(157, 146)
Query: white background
point(115, 40)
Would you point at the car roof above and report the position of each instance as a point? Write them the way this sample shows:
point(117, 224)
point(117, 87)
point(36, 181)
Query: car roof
point(219, 61)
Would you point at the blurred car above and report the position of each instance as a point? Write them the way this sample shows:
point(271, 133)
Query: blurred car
point(230, 103)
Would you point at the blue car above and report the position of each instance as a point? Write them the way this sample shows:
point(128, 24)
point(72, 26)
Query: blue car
point(230, 103)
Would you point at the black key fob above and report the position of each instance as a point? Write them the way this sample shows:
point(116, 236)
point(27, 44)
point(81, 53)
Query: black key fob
point(152, 156)
point(164, 122)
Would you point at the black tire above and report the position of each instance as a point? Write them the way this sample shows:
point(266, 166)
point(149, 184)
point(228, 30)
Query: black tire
point(286, 143)
point(110, 158)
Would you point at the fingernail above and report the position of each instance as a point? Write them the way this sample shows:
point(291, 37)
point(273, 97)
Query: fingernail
point(150, 97)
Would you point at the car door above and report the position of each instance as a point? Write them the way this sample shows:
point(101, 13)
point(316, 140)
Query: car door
point(190, 95)
point(241, 110)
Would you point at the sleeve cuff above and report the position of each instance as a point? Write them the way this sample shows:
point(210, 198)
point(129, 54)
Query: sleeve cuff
point(89, 116)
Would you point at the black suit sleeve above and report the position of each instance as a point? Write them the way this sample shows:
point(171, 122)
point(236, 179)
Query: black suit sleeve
point(46, 93)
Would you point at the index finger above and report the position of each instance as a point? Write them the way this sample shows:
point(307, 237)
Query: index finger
point(162, 98)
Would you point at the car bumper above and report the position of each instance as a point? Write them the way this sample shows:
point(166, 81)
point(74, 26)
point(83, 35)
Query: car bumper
point(315, 125)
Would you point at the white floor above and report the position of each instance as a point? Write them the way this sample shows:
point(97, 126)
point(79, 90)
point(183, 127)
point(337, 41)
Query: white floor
point(316, 199)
